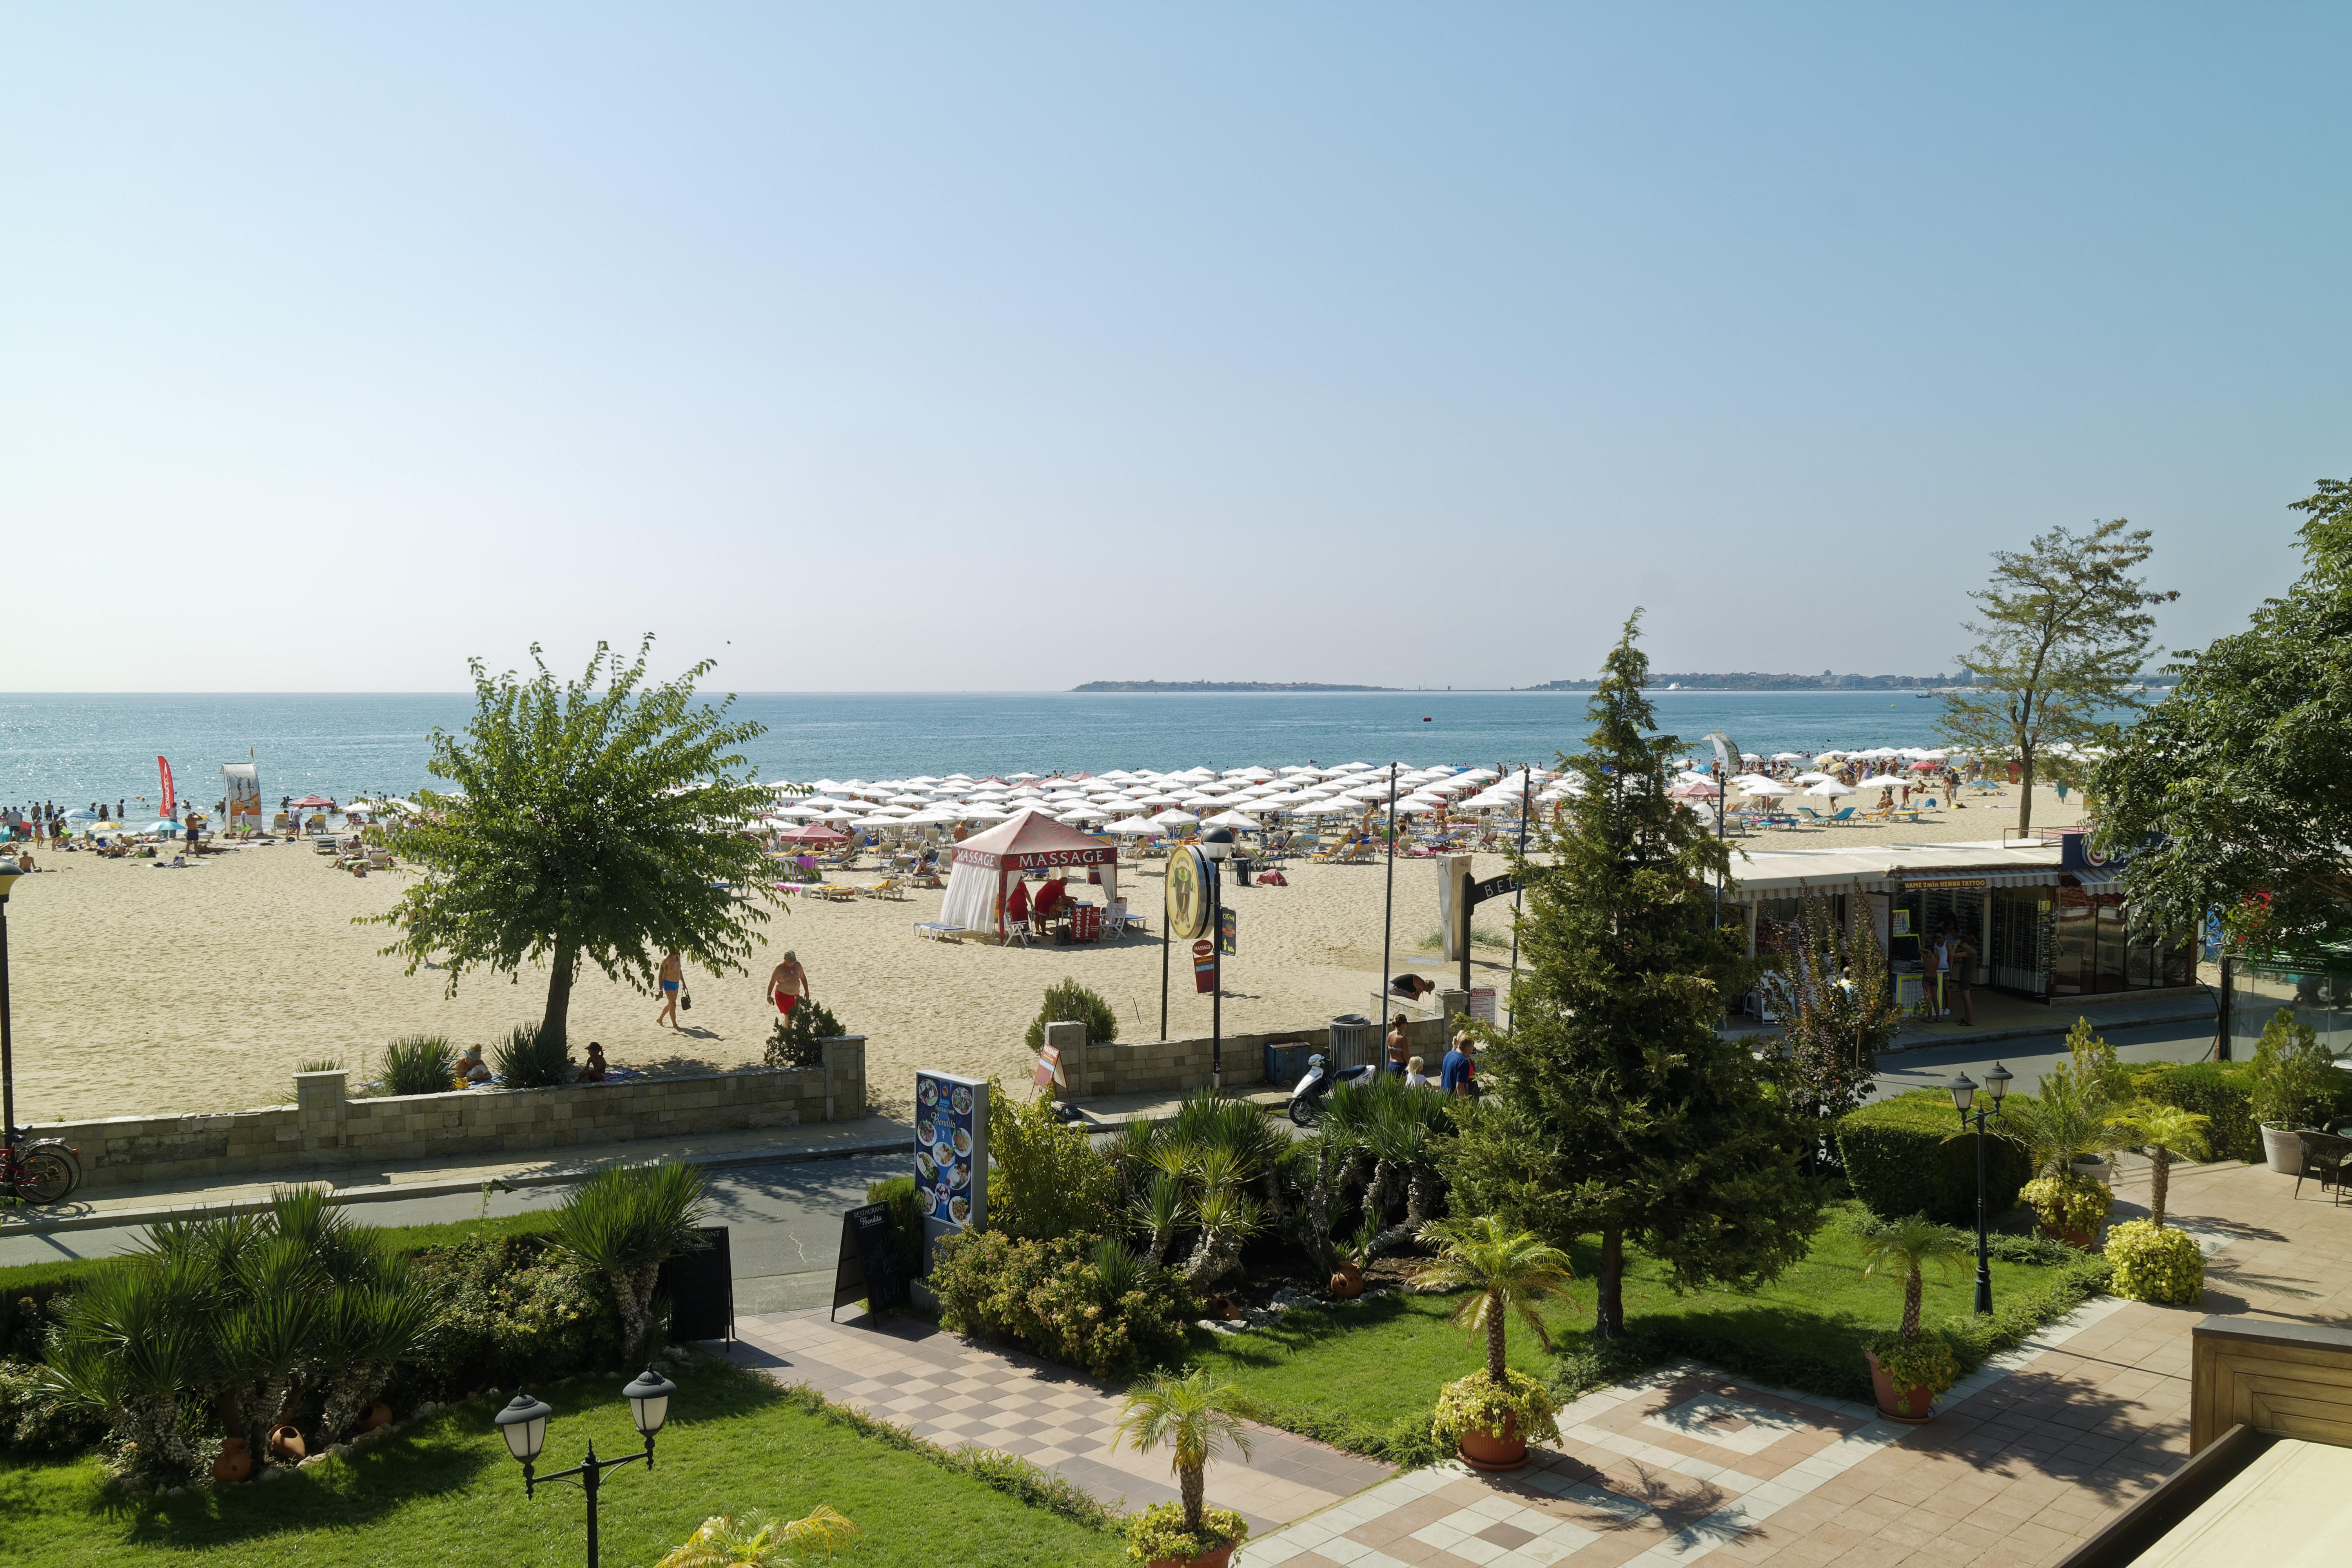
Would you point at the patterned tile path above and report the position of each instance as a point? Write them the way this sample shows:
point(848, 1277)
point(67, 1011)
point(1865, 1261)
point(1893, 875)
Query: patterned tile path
point(949, 1393)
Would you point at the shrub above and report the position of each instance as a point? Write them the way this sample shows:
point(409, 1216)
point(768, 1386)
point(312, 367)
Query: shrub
point(1072, 1003)
point(419, 1064)
point(2155, 1265)
point(794, 1042)
point(1044, 1178)
point(2295, 1080)
point(1927, 1363)
point(513, 1311)
point(1046, 1296)
point(622, 1224)
point(1158, 1533)
point(1476, 1404)
point(35, 1422)
point(898, 1192)
point(531, 1057)
point(1901, 1158)
point(2221, 1091)
point(2069, 1202)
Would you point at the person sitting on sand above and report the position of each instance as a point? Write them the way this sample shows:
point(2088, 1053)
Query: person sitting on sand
point(592, 1070)
point(470, 1067)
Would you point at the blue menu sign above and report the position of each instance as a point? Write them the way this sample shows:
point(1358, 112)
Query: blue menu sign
point(950, 1154)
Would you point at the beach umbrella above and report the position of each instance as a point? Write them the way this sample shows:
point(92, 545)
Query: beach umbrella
point(836, 813)
point(935, 817)
point(1135, 826)
point(1237, 820)
point(1701, 791)
point(161, 825)
point(983, 812)
point(1086, 814)
point(1174, 819)
point(1883, 781)
point(1829, 789)
point(1928, 765)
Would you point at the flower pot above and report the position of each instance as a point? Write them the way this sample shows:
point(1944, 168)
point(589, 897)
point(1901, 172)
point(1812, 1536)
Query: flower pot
point(286, 1443)
point(2074, 1238)
point(2281, 1149)
point(379, 1414)
point(1504, 1450)
point(1217, 1559)
point(1346, 1281)
point(235, 1461)
point(1913, 1407)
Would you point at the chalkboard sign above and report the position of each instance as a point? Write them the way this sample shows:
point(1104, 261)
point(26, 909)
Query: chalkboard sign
point(868, 1267)
point(701, 1289)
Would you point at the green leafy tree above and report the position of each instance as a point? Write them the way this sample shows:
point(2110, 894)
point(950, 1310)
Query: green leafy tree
point(2062, 634)
point(1614, 1107)
point(2295, 1079)
point(1832, 1033)
point(593, 822)
point(1508, 1271)
point(2241, 769)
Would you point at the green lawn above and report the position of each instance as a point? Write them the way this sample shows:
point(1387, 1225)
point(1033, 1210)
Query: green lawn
point(1365, 1376)
point(444, 1494)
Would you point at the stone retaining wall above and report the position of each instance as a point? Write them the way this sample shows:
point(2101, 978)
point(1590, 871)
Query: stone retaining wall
point(324, 1128)
point(1173, 1067)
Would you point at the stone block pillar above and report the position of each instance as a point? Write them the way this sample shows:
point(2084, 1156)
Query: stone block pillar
point(1070, 1039)
point(319, 1111)
point(843, 1058)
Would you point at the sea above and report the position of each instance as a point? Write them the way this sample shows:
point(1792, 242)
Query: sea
point(77, 748)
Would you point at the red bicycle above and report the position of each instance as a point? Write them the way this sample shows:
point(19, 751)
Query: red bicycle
point(40, 1173)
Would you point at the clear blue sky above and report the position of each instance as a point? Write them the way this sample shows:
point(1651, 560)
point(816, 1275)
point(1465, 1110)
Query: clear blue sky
point(931, 347)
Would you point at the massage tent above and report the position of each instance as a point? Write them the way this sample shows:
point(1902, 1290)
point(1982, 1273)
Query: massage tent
point(1030, 841)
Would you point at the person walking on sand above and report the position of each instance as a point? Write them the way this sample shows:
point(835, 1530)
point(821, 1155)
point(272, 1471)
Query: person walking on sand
point(787, 984)
point(673, 975)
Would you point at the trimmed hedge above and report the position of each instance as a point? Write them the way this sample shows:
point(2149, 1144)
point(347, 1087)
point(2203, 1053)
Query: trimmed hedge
point(1901, 1159)
point(2221, 1090)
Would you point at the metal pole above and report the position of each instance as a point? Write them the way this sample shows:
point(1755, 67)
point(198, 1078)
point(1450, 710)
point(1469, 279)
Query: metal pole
point(1387, 915)
point(1163, 970)
point(588, 1483)
point(7, 1059)
point(1519, 894)
point(1984, 1255)
point(1217, 974)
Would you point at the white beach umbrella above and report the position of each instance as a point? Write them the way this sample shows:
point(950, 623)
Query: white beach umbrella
point(937, 816)
point(1883, 781)
point(1829, 789)
point(1135, 827)
point(1174, 819)
point(1086, 814)
point(983, 812)
point(1235, 819)
point(836, 813)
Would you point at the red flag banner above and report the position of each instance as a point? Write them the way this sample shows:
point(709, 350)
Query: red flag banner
point(168, 800)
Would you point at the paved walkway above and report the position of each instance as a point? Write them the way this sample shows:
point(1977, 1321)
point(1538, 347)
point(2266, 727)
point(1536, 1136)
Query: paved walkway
point(950, 1393)
point(2024, 1461)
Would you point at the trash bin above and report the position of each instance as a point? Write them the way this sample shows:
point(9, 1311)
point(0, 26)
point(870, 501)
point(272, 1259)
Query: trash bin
point(1285, 1063)
point(1355, 1042)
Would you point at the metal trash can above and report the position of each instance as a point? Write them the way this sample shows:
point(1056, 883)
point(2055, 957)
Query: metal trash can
point(1355, 1042)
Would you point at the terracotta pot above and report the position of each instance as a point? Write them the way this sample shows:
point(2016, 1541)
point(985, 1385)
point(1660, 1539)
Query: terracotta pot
point(1348, 1281)
point(1504, 1450)
point(379, 1414)
point(2074, 1238)
point(2281, 1149)
point(235, 1461)
point(1914, 1406)
point(1217, 1559)
point(286, 1443)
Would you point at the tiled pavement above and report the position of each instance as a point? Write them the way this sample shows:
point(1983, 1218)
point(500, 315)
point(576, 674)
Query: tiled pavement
point(950, 1393)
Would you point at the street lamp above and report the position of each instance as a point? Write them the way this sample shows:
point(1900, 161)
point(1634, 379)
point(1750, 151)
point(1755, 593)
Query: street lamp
point(523, 1424)
point(1217, 844)
point(1964, 1094)
point(11, 873)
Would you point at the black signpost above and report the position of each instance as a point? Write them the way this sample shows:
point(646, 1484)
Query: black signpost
point(1473, 895)
point(868, 1269)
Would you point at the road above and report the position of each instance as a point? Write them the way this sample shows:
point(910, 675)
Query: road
point(1933, 1067)
point(785, 1223)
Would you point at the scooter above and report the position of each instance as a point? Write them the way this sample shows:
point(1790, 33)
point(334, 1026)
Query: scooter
point(1306, 1099)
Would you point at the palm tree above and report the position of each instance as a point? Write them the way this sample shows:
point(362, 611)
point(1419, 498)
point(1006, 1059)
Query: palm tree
point(1908, 1244)
point(757, 1541)
point(1195, 1415)
point(624, 1224)
point(2165, 1131)
point(1510, 1271)
point(2066, 1120)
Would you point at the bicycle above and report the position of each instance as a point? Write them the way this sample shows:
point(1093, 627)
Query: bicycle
point(43, 1172)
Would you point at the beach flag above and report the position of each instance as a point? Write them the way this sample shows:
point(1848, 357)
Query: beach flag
point(166, 769)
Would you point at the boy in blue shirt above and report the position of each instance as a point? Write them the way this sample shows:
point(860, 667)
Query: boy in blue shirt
point(1461, 1066)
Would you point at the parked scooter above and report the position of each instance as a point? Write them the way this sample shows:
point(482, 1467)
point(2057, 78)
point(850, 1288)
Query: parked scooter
point(1306, 1099)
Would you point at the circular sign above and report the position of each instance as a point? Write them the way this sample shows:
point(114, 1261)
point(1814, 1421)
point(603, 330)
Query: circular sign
point(1188, 891)
point(1204, 949)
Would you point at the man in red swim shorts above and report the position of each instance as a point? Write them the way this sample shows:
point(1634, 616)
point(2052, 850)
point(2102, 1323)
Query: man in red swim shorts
point(788, 984)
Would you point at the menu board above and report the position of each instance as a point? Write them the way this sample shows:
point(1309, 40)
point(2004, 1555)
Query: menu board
point(950, 1154)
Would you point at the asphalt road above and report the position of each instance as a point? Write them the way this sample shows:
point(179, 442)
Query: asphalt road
point(783, 1220)
point(2028, 1058)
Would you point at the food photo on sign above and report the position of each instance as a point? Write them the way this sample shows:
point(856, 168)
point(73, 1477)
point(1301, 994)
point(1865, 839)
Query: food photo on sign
point(951, 1155)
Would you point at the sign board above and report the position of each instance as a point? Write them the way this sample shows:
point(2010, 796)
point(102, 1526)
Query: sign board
point(868, 1269)
point(1228, 943)
point(1204, 967)
point(1932, 880)
point(1049, 1068)
point(1191, 891)
point(951, 1155)
point(1482, 1003)
point(1492, 888)
point(241, 783)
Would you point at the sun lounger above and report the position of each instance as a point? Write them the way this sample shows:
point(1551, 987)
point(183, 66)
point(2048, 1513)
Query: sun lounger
point(887, 888)
point(939, 930)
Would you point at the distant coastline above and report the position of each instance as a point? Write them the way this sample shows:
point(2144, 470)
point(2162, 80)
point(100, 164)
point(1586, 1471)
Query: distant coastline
point(1748, 680)
point(1223, 686)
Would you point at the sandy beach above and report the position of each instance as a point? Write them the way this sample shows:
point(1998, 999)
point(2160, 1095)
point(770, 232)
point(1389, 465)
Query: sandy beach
point(142, 991)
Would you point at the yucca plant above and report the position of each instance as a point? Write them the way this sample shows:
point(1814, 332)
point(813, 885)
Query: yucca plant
point(1228, 1218)
point(419, 1064)
point(531, 1057)
point(622, 1225)
point(756, 1540)
point(1118, 1271)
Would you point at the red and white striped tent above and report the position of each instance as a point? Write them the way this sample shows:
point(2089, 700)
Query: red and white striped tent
point(986, 863)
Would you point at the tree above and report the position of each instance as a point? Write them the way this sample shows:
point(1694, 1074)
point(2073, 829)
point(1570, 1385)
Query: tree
point(1905, 1246)
point(1832, 1033)
point(1614, 1107)
point(588, 825)
point(2064, 630)
point(2168, 1132)
point(2232, 791)
point(622, 1224)
point(1196, 1416)
point(1508, 1271)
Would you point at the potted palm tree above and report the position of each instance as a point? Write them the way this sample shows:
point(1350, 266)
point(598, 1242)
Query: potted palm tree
point(2066, 1120)
point(1491, 1413)
point(754, 1539)
point(1910, 1367)
point(2153, 1263)
point(1197, 1418)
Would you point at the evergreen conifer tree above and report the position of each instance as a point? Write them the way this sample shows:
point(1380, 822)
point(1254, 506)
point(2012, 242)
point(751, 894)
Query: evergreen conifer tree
point(1612, 1105)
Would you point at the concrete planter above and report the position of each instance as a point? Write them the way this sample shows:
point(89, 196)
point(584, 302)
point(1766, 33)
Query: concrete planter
point(2281, 1149)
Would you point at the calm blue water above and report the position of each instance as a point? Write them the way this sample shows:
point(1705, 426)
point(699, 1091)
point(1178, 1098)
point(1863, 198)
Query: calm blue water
point(75, 748)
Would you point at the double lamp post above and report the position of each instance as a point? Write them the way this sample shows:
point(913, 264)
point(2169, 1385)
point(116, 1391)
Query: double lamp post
point(523, 1424)
point(1964, 1093)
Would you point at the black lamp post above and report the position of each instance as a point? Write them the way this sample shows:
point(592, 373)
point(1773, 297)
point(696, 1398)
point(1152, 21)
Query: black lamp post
point(523, 1424)
point(1217, 844)
point(1964, 1094)
point(10, 873)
